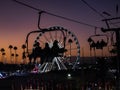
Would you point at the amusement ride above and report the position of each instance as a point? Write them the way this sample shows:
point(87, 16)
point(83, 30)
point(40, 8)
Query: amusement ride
point(67, 43)
point(57, 49)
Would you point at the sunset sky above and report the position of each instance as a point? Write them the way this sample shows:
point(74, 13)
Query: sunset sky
point(16, 20)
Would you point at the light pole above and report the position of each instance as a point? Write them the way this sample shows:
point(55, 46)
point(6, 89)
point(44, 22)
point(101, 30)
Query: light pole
point(117, 31)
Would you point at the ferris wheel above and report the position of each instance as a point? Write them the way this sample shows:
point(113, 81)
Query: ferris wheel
point(67, 40)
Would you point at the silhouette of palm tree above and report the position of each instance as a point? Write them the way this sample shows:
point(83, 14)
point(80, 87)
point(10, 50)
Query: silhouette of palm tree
point(10, 47)
point(16, 56)
point(15, 48)
point(70, 42)
point(23, 54)
point(12, 57)
point(23, 47)
point(4, 60)
point(103, 44)
point(2, 51)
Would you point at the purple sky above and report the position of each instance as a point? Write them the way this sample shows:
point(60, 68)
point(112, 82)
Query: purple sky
point(17, 20)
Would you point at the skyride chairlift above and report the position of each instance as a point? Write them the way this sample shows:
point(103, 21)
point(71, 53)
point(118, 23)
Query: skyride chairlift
point(67, 42)
point(97, 41)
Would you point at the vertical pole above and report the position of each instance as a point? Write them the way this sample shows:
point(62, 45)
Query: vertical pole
point(94, 52)
point(118, 57)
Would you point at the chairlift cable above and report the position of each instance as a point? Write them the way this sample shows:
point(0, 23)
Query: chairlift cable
point(98, 12)
point(65, 18)
point(92, 8)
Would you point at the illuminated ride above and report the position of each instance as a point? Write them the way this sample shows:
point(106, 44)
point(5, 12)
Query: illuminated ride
point(67, 58)
point(69, 47)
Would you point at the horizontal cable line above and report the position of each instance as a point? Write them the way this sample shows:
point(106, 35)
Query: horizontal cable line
point(65, 18)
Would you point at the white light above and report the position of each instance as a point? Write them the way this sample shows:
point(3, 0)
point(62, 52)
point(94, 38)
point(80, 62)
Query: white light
point(69, 75)
point(1, 75)
point(95, 84)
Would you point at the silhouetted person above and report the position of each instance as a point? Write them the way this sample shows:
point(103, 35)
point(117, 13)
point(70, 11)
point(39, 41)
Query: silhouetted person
point(92, 45)
point(56, 50)
point(103, 43)
point(46, 53)
point(36, 52)
point(98, 46)
point(23, 56)
point(30, 57)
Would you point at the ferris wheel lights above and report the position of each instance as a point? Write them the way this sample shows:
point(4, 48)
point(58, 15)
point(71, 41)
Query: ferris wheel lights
point(58, 28)
point(78, 47)
point(77, 43)
point(69, 32)
point(55, 27)
point(65, 29)
point(51, 28)
point(40, 34)
point(37, 37)
point(78, 51)
point(35, 41)
point(61, 28)
point(72, 35)
point(75, 39)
